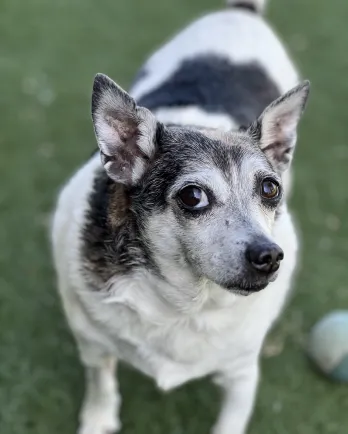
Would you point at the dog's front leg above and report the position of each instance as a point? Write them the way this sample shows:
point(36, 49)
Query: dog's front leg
point(238, 402)
point(99, 413)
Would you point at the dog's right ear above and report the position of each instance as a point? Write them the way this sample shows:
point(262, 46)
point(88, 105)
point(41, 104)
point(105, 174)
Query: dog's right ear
point(124, 131)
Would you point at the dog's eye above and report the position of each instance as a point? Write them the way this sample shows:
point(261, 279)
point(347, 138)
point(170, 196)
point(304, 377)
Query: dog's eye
point(269, 189)
point(193, 197)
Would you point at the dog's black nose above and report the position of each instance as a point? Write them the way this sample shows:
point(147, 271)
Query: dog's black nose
point(264, 257)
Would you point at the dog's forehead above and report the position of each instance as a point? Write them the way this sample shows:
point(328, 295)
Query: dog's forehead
point(228, 137)
point(213, 147)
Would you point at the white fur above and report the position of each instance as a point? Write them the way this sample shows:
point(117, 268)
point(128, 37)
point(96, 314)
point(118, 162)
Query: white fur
point(208, 330)
point(101, 406)
point(195, 116)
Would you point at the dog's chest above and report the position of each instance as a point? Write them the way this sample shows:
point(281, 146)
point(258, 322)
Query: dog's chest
point(178, 350)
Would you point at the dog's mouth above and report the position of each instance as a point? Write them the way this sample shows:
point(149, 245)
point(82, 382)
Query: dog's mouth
point(246, 288)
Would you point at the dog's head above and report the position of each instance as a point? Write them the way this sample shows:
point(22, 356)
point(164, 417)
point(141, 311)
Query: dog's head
point(205, 200)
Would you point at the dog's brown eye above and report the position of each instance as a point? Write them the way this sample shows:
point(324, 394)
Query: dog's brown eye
point(193, 197)
point(269, 189)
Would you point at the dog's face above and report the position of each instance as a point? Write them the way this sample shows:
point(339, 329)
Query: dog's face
point(206, 201)
point(209, 202)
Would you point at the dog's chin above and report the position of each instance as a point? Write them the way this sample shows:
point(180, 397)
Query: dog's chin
point(246, 288)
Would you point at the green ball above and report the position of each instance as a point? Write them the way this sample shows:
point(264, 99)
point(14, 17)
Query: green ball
point(328, 345)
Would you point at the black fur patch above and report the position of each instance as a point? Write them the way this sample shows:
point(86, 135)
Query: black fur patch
point(244, 5)
point(216, 85)
point(111, 238)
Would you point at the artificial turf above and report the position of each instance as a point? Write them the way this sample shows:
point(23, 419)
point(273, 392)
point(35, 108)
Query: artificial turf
point(49, 54)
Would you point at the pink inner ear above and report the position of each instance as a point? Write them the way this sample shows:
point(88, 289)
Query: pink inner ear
point(125, 134)
point(114, 134)
point(126, 128)
point(285, 127)
point(280, 130)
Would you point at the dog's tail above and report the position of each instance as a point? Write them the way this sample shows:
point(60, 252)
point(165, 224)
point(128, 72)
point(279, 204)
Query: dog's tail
point(257, 6)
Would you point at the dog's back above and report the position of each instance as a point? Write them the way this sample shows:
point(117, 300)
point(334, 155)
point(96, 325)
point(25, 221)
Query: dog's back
point(220, 72)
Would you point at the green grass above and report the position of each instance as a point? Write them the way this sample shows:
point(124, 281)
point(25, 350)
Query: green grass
point(49, 54)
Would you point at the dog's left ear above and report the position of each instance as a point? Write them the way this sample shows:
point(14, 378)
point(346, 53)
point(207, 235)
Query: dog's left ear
point(276, 128)
point(125, 132)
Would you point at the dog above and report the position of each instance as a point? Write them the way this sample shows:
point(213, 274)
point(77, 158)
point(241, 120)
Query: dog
point(173, 245)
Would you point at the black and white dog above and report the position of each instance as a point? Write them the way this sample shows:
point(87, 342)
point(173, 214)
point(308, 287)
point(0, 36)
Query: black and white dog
point(158, 243)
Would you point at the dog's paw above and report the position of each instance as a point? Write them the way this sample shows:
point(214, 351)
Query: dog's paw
point(226, 430)
point(98, 423)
